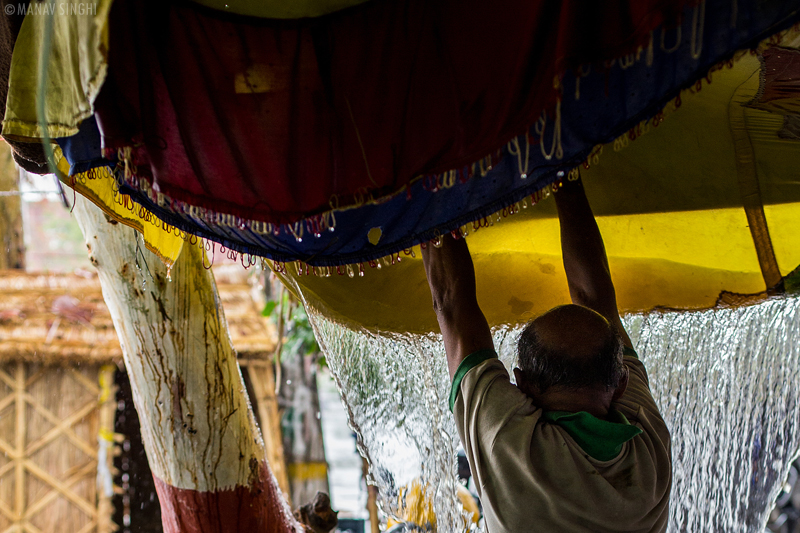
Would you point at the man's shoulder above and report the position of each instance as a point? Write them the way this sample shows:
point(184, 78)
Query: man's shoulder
point(470, 371)
point(638, 379)
point(485, 401)
point(639, 405)
point(485, 385)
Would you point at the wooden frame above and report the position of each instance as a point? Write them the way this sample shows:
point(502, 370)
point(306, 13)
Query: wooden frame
point(262, 378)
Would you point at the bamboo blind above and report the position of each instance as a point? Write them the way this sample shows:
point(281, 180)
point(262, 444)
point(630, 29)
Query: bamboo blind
point(52, 419)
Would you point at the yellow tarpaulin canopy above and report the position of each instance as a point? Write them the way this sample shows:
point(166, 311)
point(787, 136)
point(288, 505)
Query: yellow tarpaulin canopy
point(704, 204)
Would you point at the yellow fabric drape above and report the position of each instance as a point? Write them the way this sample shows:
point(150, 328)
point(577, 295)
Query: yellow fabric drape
point(76, 67)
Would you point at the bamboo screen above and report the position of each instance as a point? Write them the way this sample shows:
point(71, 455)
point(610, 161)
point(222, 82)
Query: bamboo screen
point(56, 427)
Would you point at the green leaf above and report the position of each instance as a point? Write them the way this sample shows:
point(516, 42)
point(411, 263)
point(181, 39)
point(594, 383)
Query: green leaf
point(269, 308)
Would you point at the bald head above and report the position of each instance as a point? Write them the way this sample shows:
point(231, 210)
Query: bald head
point(573, 330)
point(570, 346)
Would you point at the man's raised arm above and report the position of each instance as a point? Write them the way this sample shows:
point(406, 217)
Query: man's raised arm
point(451, 277)
point(585, 259)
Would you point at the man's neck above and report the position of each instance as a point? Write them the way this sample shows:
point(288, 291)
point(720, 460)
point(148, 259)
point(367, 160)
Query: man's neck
point(594, 402)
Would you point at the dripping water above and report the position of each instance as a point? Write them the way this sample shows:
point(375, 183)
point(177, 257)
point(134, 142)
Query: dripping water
point(727, 383)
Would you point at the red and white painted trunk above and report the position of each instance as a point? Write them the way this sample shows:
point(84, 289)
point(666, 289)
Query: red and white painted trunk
point(198, 429)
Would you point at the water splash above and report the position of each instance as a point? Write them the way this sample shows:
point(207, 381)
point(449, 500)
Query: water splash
point(727, 382)
point(728, 386)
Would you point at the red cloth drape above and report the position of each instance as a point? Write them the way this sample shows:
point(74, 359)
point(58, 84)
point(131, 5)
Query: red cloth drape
point(276, 121)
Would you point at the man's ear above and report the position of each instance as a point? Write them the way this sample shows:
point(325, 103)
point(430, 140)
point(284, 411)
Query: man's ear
point(522, 384)
point(623, 385)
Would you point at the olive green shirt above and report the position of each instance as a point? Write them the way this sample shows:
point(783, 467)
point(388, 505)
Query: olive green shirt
point(559, 471)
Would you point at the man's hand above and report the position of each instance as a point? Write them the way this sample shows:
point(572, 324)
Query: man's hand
point(451, 277)
point(585, 259)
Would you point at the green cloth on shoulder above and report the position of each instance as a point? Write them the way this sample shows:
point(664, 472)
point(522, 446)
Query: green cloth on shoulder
point(467, 364)
point(601, 439)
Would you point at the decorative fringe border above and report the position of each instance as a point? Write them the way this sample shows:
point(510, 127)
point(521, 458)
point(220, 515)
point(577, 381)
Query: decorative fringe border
point(304, 269)
point(314, 225)
point(125, 201)
point(301, 268)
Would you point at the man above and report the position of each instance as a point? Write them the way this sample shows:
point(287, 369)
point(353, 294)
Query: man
point(578, 444)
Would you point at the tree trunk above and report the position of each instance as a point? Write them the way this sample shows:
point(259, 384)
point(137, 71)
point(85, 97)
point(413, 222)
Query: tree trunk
point(198, 429)
point(12, 247)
